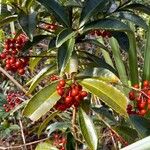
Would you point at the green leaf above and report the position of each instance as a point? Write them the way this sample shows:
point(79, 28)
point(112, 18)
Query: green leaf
point(27, 23)
point(88, 130)
point(7, 20)
point(64, 54)
point(129, 134)
point(107, 24)
point(45, 146)
point(36, 39)
point(42, 74)
point(72, 66)
point(46, 121)
point(107, 93)
point(64, 36)
point(131, 17)
point(141, 124)
point(42, 102)
point(58, 10)
point(122, 39)
point(27, 4)
point(99, 73)
point(70, 141)
point(33, 62)
point(58, 126)
point(139, 7)
point(105, 113)
point(118, 61)
point(91, 7)
point(143, 144)
point(133, 61)
point(99, 62)
point(146, 69)
point(73, 3)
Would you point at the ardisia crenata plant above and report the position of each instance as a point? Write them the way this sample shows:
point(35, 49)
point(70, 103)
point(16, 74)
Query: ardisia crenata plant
point(84, 74)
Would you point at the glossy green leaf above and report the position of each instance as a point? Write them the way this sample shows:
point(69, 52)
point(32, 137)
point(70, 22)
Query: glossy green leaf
point(34, 61)
point(139, 7)
point(118, 61)
point(133, 61)
point(146, 69)
point(64, 36)
point(73, 3)
point(99, 62)
point(27, 4)
point(45, 146)
point(122, 39)
point(7, 20)
point(88, 130)
point(107, 24)
point(131, 17)
point(36, 40)
point(64, 54)
point(58, 126)
point(105, 113)
point(27, 23)
point(41, 75)
point(143, 144)
point(107, 93)
point(72, 66)
point(99, 73)
point(91, 7)
point(58, 10)
point(129, 134)
point(46, 122)
point(41, 102)
point(70, 141)
point(141, 124)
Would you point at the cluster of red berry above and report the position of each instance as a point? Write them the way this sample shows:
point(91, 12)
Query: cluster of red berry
point(103, 33)
point(12, 48)
point(59, 141)
point(70, 95)
point(51, 27)
point(53, 78)
point(13, 99)
point(140, 99)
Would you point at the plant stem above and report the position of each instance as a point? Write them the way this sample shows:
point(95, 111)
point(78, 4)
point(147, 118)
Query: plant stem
point(74, 115)
point(22, 134)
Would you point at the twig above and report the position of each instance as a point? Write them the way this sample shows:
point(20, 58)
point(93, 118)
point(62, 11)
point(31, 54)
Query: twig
point(74, 115)
point(14, 81)
point(19, 146)
point(22, 134)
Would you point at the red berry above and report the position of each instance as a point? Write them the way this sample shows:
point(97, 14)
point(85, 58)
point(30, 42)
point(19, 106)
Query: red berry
point(148, 101)
point(56, 136)
point(141, 105)
point(62, 83)
point(83, 93)
point(136, 86)
point(142, 112)
point(18, 64)
point(129, 107)
point(60, 91)
point(12, 60)
point(68, 100)
point(78, 98)
point(2, 55)
point(131, 95)
point(74, 92)
point(21, 71)
point(145, 83)
point(78, 87)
